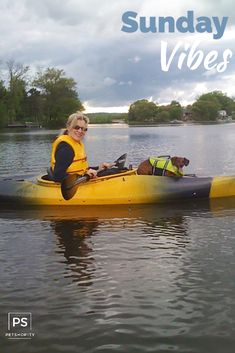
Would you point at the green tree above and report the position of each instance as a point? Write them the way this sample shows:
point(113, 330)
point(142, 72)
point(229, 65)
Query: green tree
point(163, 115)
point(205, 110)
point(207, 106)
point(3, 105)
point(17, 89)
point(175, 111)
point(142, 111)
point(34, 103)
point(59, 95)
point(223, 101)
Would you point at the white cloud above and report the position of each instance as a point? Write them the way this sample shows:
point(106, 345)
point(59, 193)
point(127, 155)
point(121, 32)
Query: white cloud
point(85, 39)
point(123, 83)
point(109, 81)
point(211, 72)
point(96, 109)
point(135, 59)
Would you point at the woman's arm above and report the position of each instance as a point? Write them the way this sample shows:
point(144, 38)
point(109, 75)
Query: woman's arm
point(64, 156)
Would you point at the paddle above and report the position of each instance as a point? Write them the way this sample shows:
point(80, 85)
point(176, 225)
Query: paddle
point(70, 183)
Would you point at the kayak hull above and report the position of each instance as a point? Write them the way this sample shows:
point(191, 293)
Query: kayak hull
point(119, 189)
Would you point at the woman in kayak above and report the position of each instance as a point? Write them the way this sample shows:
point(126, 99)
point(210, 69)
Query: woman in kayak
point(68, 151)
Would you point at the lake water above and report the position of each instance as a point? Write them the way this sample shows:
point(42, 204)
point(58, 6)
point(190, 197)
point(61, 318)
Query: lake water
point(121, 279)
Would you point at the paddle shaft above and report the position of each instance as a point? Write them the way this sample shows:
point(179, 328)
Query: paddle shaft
point(80, 180)
point(70, 183)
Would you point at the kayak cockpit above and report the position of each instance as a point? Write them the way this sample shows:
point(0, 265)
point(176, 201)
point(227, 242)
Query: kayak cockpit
point(45, 179)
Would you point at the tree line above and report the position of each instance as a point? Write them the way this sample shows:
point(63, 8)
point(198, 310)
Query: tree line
point(207, 108)
point(45, 98)
point(49, 96)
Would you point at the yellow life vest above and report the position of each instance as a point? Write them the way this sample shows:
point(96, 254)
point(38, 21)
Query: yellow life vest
point(164, 164)
point(79, 164)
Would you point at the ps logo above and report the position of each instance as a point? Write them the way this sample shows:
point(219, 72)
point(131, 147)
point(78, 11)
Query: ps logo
point(19, 321)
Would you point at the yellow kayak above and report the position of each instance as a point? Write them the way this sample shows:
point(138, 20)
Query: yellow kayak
point(118, 189)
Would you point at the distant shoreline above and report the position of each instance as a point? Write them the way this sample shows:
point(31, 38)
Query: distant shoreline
point(106, 124)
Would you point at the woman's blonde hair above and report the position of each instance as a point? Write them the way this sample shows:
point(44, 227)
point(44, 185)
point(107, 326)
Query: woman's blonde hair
point(72, 121)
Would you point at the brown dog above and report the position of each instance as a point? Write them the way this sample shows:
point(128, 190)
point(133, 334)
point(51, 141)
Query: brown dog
point(172, 166)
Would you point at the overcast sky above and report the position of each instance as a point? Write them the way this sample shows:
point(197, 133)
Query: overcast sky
point(113, 68)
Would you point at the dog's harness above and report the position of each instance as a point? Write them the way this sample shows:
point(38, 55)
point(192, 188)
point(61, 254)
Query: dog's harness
point(159, 171)
point(161, 164)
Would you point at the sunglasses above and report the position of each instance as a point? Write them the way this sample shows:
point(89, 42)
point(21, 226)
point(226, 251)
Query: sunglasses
point(83, 129)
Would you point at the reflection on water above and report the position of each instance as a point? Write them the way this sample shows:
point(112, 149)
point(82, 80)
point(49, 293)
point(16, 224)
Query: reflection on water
point(172, 210)
point(74, 243)
point(146, 278)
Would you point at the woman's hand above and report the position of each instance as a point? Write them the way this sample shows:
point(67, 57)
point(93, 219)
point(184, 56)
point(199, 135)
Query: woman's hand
point(92, 173)
point(105, 165)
